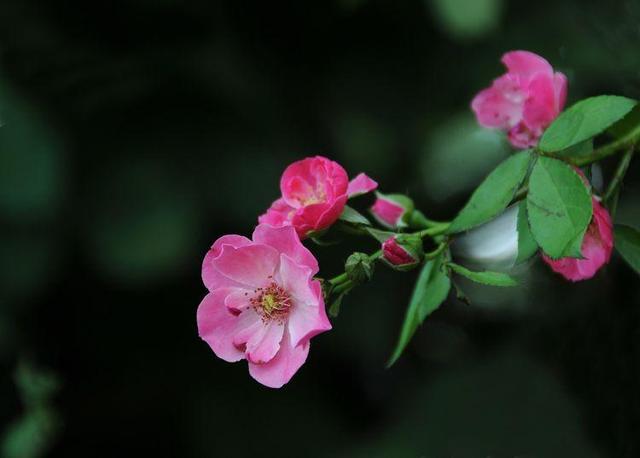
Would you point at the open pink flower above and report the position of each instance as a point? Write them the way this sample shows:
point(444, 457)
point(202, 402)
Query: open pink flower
point(523, 101)
point(314, 193)
point(596, 249)
point(263, 303)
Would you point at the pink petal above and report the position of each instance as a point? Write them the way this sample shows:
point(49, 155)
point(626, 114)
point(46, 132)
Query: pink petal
point(525, 63)
point(560, 86)
point(520, 136)
point(216, 326)
point(247, 325)
point(361, 184)
point(210, 276)
point(285, 240)
point(264, 344)
point(308, 319)
point(295, 279)
point(283, 366)
point(250, 265)
point(540, 107)
point(278, 215)
point(387, 212)
point(238, 300)
point(494, 110)
point(297, 190)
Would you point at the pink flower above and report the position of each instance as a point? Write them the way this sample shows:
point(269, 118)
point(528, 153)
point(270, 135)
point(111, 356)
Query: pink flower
point(390, 210)
point(314, 193)
point(402, 251)
point(524, 101)
point(596, 249)
point(263, 303)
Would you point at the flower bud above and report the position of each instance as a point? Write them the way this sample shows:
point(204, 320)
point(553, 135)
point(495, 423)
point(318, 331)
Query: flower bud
point(359, 268)
point(403, 252)
point(392, 210)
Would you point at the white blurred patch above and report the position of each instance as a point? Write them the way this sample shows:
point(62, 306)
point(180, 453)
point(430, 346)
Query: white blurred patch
point(494, 244)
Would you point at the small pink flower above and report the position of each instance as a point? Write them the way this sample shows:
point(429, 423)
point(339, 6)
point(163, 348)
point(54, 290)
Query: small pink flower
point(390, 210)
point(524, 101)
point(263, 303)
point(314, 193)
point(596, 249)
point(402, 251)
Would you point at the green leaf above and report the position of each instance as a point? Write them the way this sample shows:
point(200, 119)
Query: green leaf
point(559, 208)
point(527, 245)
point(577, 151)
point(431, 290)
point(628, 245)
point(585, 120)
point(380, 236)
point(334, 310)
point(629, 126)
point(494, 193)
point(485, 277)
point(351, 215)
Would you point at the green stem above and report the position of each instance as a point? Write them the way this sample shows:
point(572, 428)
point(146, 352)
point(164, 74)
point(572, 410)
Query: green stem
point(435, 253)
point(347, 285)
point(419, 221)
point(607, 150)
point(434, 230)
point(621, 170)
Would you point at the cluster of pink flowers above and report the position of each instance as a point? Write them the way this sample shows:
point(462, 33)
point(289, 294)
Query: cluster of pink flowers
point(523, 102)
point(263, 303)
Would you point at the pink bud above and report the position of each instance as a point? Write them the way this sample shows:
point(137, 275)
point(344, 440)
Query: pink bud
point(390, 210)
point(402, 251)
point(596, 249)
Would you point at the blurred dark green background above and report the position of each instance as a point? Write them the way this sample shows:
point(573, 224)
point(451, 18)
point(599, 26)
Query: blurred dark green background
point(135, 132)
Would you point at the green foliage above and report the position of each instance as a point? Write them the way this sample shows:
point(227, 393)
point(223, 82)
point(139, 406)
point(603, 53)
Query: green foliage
point(584, 120)
point(577, 151)
point(628, 245)
point(485, 277)
point(31, 435)
point(350, 215)
point(494, 193)
point(629, 126)
point(334, 309)
point(559, 208)
point(468, 18)
point(430, 291)
point(380, 236)
point(32, 168)
point(527, 245)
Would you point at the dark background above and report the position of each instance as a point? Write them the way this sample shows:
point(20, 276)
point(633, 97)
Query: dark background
point(135, 132)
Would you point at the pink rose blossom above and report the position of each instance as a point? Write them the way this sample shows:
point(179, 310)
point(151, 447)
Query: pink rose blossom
point(263, 303)
point(314, 193)
point(524, 101)
point(390, 210)
point(596, 249)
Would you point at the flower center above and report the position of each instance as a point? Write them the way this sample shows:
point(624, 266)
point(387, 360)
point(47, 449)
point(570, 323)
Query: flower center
point(316, 196)
point(271, 302)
